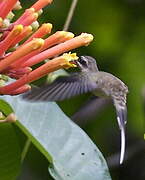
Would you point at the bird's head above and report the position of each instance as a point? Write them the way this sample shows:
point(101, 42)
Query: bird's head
point(87, 63)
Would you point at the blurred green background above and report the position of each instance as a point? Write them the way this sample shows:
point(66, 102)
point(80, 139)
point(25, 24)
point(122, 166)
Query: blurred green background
point(118, 27)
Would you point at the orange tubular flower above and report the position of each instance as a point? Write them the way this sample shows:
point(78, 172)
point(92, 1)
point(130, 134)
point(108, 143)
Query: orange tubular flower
point(25, 15)
point(20, 52)
point(21, 90)
point(83, 40)
point(30, 19)
point(6, 6)
point(58, 37)
point(50, 66)
point(6, 43)
point(26, 32)
point(42, 31)
point(18, 57)
point(40, 4)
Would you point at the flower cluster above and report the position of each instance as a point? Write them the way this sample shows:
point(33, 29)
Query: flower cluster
point(23, 44)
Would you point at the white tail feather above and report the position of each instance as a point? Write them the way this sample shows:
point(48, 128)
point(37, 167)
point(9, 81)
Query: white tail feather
point(122, 153)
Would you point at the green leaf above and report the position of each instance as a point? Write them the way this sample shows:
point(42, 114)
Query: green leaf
point(9, 148)
point(5, 108)
point(72, 154)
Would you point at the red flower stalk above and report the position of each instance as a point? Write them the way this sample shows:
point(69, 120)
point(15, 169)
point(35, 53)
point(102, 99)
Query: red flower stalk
point(26, 32)
point(28, 17)
point(20, 52)
point(40, 4)
point(6, 43)
point(17, 64)
point(41, 32)
point(58, 37)
point(6, 6)
point(18, 73)
point(26, 14)
point(50, 66)
point(21, 90)
point(83, 40)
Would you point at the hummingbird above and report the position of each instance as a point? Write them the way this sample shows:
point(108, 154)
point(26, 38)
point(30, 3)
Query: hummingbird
point(89, 79)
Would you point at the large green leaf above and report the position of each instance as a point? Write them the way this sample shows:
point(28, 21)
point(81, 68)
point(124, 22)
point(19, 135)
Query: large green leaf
point(9, 148)
point(71, 152)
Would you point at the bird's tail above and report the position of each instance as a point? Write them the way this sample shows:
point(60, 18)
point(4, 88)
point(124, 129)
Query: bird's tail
point(121, 118)
point(122, 145)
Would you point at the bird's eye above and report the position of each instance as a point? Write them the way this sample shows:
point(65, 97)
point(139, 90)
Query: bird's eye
point(83, 62)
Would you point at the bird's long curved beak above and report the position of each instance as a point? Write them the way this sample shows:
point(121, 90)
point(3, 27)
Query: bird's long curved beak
point(78, 64)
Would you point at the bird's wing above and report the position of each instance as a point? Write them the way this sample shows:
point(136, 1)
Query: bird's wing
point(122, 119)
point(62, 88)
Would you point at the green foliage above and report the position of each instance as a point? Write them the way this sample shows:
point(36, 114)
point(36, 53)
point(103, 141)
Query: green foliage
point(9, 148)
point(119, 42)
point(69, 150)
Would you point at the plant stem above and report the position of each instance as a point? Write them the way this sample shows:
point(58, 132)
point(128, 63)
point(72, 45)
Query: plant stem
point(70, 15)
point(25, 149)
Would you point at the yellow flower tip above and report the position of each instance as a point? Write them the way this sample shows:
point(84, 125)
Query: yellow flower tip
point(29, 28)
point(17, 6)
point(35, 25)
point(10, 15)
point(35, 15)
point(70, 58)
point(1, 20)
point(62, 33)
point(47, 26)
point(65, 34)
point(31, 10)
point(70, 65)
point(18, 29)
point(40, 12)
point(37, 43)
point(29, 69)
point(48, 1)
point(11, 118)
point(87, 38)
point(28, 87)
point(69, 35)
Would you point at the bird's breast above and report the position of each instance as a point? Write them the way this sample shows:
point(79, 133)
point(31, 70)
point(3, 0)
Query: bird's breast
point(100, 93)
point(107, 85)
